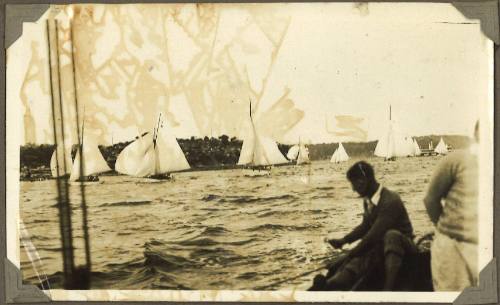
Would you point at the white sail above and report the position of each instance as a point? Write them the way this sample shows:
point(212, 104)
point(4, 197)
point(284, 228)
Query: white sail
point(168, 152)
point(303, 156)
point(408, 146)
point(91, 159)
point(247, 149)
point(416, 148)
point(133, 156)
point(293, 152)
point(441, 148)
point(260, 150)
point(266, 152)
point(386, 145)
point(143, 157)
point(340, 155)
point(394, 143)
point(58, 170)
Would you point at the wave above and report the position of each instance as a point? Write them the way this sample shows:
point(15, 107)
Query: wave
point(126, 203)
point(210, 197)
point(245, 198)
point(217, 230)
point(197, 254)
point(167, 261)
point(278, 227)
point(247, 275)
point(40, 221)
point(278, 213)
point(250, 199)
point(325, 188)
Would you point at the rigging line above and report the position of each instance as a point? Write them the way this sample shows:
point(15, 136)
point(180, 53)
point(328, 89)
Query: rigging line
point(86, 236)
point(295, 277)
point(60, 97)
point(33, 256)
point(63, 202)
point(254, 133)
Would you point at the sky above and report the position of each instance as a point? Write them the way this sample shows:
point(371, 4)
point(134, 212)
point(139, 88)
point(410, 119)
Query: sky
point(332, 77)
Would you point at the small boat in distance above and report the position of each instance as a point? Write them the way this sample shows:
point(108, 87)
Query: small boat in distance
point(441, 148)
point(88, 160)
point(153, 155)
point(259, 153)
point(88, 163)
point(293, 153)
point(340, 155)
point(60, 170)
point(303, 157)
point(393, 142)
point(416, 148)
point(298, 154)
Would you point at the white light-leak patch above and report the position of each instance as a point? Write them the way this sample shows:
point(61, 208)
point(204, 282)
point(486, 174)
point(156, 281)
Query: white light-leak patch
point(253, 51)
point(181, 48)
point(117, 133)
point(108, 39)
point(186, 125)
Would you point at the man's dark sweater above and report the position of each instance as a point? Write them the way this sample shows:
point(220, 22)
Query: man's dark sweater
point(389, 213)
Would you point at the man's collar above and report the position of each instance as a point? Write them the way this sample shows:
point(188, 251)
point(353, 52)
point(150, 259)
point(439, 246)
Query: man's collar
point(376, 197)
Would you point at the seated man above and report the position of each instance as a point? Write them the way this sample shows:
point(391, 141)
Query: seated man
point(386, 233)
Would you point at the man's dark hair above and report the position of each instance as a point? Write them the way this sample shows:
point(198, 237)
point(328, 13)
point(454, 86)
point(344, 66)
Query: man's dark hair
point(361, 169)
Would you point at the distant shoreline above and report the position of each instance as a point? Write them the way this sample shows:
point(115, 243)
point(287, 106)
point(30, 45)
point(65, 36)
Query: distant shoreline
point(205, 154)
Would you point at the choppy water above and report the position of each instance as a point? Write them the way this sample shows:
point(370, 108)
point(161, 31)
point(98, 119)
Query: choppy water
point(213, 229)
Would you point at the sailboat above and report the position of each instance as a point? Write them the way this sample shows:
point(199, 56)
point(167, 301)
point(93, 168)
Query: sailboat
point(293, 153)
point(88, 162)
point(153, 155)
point(393, 143)
point(298, 154)
point(441, 148)
point(386, 145)
point(340, 155)
point(60, 170)
point(416, 148)
point(409, 146)
point(259, 153)
point(303, 157)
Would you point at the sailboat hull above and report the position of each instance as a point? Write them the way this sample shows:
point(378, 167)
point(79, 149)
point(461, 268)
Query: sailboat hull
point(257, 170)
point(87, 180)
point(166, 176)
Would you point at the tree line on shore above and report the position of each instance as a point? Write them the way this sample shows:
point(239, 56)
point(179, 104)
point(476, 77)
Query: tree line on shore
point(210, 152)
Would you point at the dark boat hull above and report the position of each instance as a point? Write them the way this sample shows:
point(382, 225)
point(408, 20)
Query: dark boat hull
point(415, 275)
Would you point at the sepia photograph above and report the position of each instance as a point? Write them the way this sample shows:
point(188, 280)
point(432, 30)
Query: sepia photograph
point(250, 151)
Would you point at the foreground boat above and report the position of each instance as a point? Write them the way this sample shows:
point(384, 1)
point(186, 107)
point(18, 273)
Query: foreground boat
point(414, 275)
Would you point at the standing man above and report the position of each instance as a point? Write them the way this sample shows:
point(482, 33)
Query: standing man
point(451, 203)
point(386, 233)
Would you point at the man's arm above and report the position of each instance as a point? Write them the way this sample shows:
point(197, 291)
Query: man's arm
point(357, 232)
point(440, 184)
point(386, 219)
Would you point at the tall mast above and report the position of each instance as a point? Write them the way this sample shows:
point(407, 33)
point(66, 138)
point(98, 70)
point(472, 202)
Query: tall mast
point(254, 132)
point(390, 112)
point(85, 283)
point(65, 222)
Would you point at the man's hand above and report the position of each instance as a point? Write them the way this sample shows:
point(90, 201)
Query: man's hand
point(336, 243)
